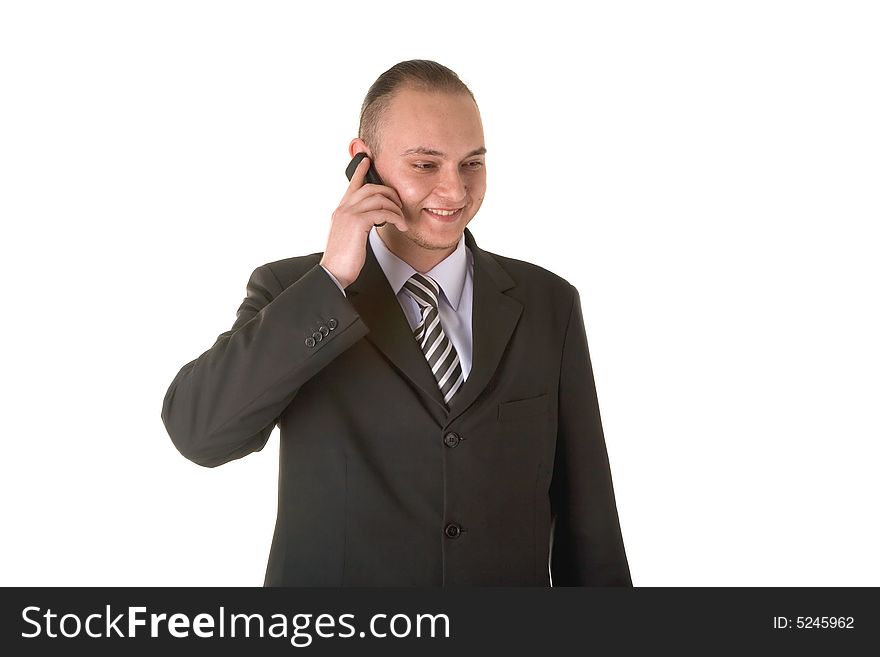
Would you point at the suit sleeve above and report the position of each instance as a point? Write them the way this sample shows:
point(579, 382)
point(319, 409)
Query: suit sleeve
point(335, 280)
point(224, 404)
point(587, 545)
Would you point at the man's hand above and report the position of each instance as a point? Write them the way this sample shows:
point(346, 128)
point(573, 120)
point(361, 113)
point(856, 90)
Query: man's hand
point(362, 207)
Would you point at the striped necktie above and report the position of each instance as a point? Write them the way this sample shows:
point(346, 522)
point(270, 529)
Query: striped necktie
point(438, 349)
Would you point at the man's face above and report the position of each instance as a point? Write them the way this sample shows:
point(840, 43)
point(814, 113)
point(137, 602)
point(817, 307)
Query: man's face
point(432, 152)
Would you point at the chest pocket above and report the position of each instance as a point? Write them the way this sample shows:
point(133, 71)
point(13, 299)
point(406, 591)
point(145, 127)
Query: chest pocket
point(521, 409)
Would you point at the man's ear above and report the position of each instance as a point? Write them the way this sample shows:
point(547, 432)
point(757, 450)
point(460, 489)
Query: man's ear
point(358, 145)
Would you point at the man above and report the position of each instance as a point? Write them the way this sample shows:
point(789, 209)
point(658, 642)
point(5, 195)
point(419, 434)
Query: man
point(438, 415)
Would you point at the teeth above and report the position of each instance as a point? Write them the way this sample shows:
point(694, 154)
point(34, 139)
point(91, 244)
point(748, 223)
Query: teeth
point(442, 213)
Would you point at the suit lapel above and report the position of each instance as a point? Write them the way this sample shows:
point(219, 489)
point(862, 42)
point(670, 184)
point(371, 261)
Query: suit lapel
point(495, 316)
point(372, 296)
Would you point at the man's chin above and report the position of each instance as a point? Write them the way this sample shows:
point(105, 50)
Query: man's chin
point(435, 242)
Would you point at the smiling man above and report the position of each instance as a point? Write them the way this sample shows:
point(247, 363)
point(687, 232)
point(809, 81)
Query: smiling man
point(438, 417)
point(434, 158)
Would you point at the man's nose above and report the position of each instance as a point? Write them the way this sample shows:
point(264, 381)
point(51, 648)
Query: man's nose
point(451, 185)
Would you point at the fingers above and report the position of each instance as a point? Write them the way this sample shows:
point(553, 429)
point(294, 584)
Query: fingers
point(369, 190)
point(390, 192)
point(360, 173)
point(378, 204)
point(381, 217)
point(357, 189)
point(380, 208)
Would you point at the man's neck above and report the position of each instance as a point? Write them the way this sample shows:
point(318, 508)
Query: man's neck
point(421, 259)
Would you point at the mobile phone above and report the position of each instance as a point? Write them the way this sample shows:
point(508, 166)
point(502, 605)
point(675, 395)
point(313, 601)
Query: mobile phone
point(371, 178)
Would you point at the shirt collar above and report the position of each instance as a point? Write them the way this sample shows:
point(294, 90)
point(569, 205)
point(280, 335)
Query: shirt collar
point(449, 273)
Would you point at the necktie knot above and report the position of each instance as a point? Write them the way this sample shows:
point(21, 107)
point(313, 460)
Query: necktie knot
point(424, 290)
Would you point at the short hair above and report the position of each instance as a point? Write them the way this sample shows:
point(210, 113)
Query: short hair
point(420, 74)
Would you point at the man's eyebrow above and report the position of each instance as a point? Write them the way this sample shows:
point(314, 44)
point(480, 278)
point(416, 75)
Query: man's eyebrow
point(421, 150)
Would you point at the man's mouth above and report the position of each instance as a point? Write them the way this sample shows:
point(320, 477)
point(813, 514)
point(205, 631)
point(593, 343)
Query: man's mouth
point(444, 212)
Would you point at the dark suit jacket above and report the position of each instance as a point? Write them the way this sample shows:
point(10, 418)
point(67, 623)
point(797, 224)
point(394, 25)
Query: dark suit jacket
point(379, 484)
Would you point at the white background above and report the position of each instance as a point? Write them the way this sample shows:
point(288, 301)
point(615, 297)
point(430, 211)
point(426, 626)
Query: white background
point(705, 173)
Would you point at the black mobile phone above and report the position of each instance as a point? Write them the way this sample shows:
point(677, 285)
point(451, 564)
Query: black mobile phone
point(372, 177)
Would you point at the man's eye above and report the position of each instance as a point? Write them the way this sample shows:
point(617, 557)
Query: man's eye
point(423, 165)
point(475, 164)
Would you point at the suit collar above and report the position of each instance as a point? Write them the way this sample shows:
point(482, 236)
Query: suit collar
point(495, 316)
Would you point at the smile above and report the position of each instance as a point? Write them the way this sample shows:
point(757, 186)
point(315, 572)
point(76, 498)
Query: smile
point(443, 213)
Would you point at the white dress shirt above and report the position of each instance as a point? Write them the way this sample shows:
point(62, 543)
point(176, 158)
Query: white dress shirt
point(455, 276)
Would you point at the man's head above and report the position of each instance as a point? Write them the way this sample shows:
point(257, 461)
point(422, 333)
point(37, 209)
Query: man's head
point(421, 127)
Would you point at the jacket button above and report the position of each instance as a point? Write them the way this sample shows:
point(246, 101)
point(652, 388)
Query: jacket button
point(310, 342)
point(317, 335)
point(451, 440)
point(452, 530)
point(324, 331)
point(332, 324)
